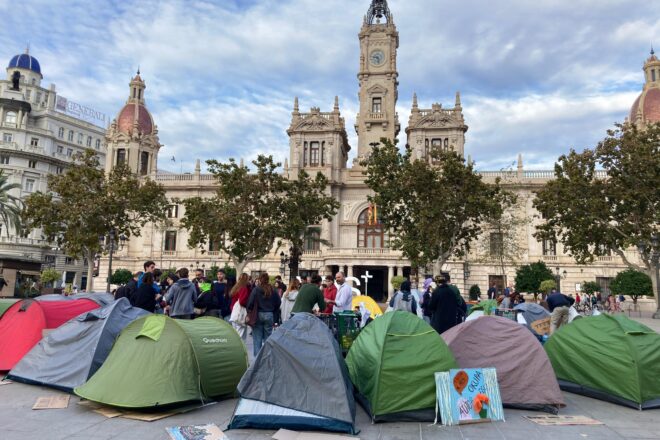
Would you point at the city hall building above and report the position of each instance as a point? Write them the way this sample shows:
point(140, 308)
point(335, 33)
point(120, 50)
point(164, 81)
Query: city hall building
point(318, 143)
point(40, 132)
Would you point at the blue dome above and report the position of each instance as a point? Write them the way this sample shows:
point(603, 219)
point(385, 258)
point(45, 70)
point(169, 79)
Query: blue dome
point(25, 61)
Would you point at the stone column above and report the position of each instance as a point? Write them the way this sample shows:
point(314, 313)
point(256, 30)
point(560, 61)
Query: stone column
point(350, 271)
point(390, 275)
point(399, 271)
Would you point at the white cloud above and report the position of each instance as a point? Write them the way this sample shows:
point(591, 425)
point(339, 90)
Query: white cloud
point(536, 77)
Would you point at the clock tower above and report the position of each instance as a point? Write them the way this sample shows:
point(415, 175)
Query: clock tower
point(378, 78)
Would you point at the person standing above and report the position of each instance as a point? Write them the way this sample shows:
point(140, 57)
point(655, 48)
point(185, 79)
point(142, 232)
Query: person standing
point(265, 298)
point(182, 296)
point(221, 294)
point(404, 300)
point(289, 299)
point(239, 295)
point(344, 299)
point(310, 294)
point(145, 297)
point(329, 294)
point(149, 266)
point(492, 292)
point(444, 306)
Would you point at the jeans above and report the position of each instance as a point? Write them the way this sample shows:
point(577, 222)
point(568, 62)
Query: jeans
point(262, 330)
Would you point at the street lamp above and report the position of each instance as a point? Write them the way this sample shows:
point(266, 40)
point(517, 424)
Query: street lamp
point(284, 261)
point(560, 276)
point(108, 244)
point(652, 252)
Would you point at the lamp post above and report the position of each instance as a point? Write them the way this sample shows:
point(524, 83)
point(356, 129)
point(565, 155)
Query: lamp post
point(466, 274)
point(559, 276)
point(108, 243)
point(284, 261)
point(652, 252)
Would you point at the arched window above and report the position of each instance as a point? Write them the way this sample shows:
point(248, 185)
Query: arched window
point(144, 163)
point(370, 231)
point(10, 118)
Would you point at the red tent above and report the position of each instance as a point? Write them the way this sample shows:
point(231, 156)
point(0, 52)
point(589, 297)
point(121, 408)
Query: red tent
point(22, 325)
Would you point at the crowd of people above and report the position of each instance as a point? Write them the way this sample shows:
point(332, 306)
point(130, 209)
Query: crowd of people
point(257, 305)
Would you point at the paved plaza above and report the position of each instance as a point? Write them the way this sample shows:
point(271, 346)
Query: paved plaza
point(19, 421)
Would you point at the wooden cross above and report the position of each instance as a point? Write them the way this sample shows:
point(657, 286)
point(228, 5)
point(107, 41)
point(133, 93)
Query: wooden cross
point(366, 278)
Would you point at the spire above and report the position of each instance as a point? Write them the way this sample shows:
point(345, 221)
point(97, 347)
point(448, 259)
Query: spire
point(414, 106)
point(458, 100)
point(198, 168)
point(137, 87)
point(336, 108)
point(138, 71)
point(377, 11)
point(27, 48)
point(295, 105)
point(520, 165)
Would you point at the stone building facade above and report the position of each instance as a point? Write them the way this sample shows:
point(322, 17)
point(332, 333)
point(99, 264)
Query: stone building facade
point(40, 133)
point(319, 143)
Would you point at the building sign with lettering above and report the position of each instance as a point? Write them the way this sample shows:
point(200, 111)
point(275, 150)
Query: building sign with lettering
point(81, 112)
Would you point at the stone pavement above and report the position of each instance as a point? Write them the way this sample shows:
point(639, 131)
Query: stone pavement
point(19, 422)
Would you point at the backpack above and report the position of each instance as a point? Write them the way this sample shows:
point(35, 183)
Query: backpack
point(406, 303)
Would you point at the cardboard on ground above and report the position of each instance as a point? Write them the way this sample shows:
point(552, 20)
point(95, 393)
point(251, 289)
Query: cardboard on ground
point(52, 402)
point(285, 434)
point(211, 432)
point(563, 420)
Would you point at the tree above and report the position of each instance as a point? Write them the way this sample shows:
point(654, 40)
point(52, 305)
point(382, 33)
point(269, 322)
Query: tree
point(594, 212)
point(305, 203)
point(475, 292)
point(242, 216)
point(590, 287)
point(530, 276)
point(121, 276)
point(396, 281)
point(632, 283)
point(84, 204)
point(10, 206)
point(249, 212)
point(547, 285)
point(49, 276)
point(432, 212)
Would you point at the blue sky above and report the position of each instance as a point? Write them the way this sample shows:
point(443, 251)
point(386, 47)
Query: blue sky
point(536, 78)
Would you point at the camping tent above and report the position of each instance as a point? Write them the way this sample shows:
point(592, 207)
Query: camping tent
point(72, 353)
point(369, 303)
point(101, 298)
point(298, 381)
point(23, 325)
point(392, 364)
point(523, 370)
point(6, 303)
point(159, 361)
point(532, 312)
point(608, 357)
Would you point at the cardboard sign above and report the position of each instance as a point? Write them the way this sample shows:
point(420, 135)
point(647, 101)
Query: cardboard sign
point(196, 432)
point(52, 402)
point(470, 395)
point(541, 326)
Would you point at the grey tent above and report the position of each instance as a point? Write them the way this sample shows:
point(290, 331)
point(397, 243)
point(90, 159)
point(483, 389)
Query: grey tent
point(100, 298)
point(298, 381)
point(524, 372)
point(532, 312)
point(72, 353)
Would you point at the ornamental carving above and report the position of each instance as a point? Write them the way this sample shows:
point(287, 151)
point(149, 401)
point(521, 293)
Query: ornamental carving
point(314, 123)
point(435, 120)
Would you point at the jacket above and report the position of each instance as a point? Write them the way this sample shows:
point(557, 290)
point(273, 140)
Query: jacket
point(258, 299)
point(181, 297)
point(404, 301)
point(145, 298)
point(222, 298)
point(329, 294)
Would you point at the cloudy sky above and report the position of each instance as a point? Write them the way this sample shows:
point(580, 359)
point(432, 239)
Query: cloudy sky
point(536, 78)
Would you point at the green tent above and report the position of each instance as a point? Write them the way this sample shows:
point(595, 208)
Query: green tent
point(160, 361)
point(392, 364)
point(608, 357)
point(6, 303)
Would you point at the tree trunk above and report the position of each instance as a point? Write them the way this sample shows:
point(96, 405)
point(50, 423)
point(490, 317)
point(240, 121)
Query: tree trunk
point(240, 266)
point(90, 271)
point(294, 262)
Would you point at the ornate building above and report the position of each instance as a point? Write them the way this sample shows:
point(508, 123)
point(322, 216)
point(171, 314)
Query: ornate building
point(41, 132)
point(319, 143)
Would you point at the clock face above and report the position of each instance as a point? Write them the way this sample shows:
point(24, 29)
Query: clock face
point(377, 57)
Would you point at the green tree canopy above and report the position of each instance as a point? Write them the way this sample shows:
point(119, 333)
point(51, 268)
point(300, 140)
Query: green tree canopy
point(530, 276)
point(590, 287)
point(594, 212)
point(432, 212)
point(632, 283)
point(121, 276)
point(250, 211)
point(547, 285)
point(50, 275)
point(10, 206)
point(84, 204)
